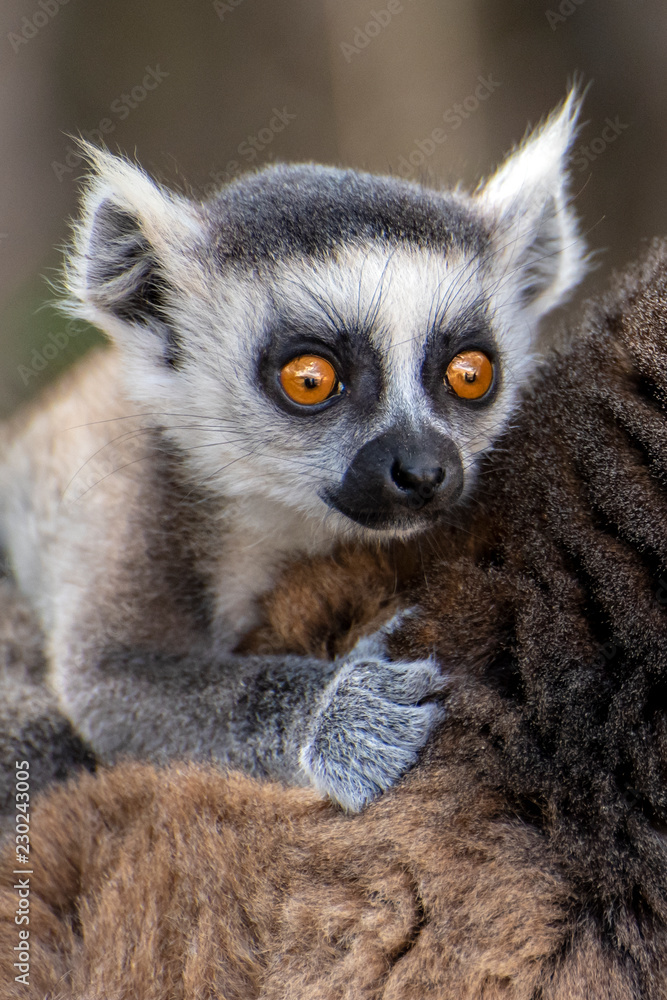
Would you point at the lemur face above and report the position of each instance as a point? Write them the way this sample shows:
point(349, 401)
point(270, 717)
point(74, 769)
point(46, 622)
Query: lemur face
point(368, 384)
point(342, 344)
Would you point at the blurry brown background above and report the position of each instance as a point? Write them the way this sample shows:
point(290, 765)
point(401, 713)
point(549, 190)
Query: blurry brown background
point(199, 90)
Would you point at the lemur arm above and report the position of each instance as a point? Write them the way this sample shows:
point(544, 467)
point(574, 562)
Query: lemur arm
point(350, 727)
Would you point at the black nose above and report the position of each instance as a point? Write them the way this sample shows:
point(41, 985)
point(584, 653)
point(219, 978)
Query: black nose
point(400, 479)
point(419, 476)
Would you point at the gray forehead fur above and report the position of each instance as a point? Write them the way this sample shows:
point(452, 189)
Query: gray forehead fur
point(311, 210)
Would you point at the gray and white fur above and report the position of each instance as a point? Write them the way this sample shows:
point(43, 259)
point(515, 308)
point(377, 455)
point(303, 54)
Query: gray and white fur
point(156, 493)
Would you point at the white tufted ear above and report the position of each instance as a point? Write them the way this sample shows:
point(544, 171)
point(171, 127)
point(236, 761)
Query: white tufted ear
point(535, 229)
point(118, 274)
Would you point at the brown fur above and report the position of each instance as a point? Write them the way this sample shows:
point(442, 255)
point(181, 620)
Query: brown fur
point(322, 606)
point(191, 884)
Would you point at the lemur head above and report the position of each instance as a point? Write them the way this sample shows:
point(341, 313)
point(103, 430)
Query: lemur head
point(344, 344)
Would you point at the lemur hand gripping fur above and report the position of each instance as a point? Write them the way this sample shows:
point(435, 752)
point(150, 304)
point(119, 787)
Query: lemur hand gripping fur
point(311, 356)
point(371, 720)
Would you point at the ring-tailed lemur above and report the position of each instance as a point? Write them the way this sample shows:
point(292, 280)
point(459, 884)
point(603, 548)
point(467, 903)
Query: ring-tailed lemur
point(311, 355)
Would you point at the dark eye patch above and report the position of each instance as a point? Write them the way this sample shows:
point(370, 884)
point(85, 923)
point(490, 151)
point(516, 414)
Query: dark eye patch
point(356, 361)
point(468, 330)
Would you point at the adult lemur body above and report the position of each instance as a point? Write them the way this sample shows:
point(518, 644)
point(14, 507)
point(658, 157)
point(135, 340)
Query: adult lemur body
point(312, 356)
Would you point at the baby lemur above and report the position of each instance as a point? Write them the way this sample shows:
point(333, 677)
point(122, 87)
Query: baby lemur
point(311, 356)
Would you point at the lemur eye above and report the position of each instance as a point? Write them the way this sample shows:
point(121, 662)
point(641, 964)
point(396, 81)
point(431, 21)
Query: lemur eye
point(470, 374)
point(308, 379)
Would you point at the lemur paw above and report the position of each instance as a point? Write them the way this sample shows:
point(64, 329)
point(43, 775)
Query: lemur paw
point(371, 723)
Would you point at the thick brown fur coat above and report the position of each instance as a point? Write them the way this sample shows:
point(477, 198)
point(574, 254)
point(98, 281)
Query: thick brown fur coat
point(190, 884)
point(526, 857)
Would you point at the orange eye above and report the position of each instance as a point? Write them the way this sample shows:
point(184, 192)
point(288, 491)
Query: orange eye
point(470, 374)
point(308, 379)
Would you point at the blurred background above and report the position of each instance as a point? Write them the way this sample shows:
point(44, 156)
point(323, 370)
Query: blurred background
point(437, 90)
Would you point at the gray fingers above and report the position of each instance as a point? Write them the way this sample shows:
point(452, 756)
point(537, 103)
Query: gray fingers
point(372, 720)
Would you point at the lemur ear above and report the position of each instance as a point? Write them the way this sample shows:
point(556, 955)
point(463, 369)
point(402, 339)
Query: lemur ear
point(535, 230)
point(118, 274)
